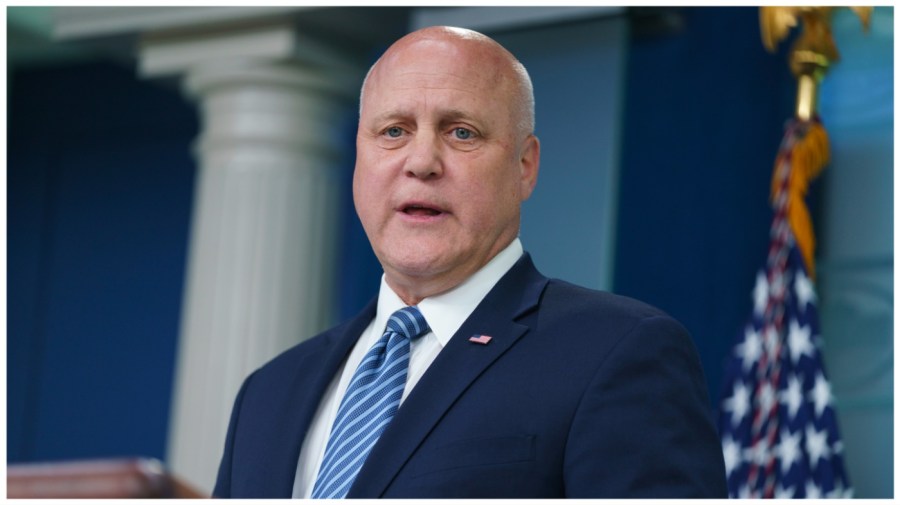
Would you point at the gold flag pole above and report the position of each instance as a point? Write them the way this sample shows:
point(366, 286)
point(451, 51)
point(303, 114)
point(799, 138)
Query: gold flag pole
point(804, 152)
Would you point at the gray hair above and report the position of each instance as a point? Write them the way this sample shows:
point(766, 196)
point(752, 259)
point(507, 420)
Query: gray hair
point(524, 101)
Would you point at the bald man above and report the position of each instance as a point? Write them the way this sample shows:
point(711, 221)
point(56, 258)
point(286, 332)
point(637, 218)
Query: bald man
point(470, 374)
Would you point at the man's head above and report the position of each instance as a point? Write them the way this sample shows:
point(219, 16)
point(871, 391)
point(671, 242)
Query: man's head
point(445, 156)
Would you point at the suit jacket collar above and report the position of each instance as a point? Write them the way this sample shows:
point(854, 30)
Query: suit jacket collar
point(458, 365)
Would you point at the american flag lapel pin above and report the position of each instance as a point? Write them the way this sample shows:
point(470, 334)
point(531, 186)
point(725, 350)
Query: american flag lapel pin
point(480, 339)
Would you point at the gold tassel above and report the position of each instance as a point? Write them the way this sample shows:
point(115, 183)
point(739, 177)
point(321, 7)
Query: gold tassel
point(809, 156)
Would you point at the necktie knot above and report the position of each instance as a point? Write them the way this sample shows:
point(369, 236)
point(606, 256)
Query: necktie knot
point(408, 322)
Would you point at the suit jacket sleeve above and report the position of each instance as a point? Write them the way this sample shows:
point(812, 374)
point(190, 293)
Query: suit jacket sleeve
point(668, 450)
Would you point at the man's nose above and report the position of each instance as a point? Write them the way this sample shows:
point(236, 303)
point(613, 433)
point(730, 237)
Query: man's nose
point(424, 160)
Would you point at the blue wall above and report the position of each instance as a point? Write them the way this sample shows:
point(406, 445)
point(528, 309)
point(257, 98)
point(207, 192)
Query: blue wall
point(577, 69)
point(855, 259)
point(100, 185)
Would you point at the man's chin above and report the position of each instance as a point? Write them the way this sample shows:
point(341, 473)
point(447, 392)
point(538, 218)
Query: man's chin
point(419, 270)
point(422, 276)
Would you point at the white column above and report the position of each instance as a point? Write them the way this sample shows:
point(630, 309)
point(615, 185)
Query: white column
point(261, 264)
point(260, 270)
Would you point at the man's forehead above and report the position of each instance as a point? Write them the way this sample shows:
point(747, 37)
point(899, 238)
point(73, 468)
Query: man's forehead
point(447, 76)
point(437, 115)
point(442, 94)
point(439, 73)
point(439, 79)
point(459, 55)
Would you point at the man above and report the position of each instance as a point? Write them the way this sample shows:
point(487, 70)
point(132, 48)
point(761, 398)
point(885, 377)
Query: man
point(471, 374)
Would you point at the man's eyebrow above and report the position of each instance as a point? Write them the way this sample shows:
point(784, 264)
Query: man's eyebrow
point(454, 114)
point(444, 116)
point(390, 116)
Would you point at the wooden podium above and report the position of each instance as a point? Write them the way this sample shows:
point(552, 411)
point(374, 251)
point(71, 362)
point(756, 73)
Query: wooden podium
point(106, 478)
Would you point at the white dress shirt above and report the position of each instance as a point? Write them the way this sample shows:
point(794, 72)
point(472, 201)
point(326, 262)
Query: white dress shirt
point(445, 313)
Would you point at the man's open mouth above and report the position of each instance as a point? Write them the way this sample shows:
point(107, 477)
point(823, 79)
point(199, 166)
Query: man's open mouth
point(420, 210)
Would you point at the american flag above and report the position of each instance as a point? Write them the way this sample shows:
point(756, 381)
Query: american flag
point(777, 420)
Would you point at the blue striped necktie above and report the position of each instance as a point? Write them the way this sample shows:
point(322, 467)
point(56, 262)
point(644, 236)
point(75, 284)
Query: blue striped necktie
point(369, 404)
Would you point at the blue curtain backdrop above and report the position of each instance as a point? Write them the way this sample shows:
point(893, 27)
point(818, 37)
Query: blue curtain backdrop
point(100, 182)
point(704, 114)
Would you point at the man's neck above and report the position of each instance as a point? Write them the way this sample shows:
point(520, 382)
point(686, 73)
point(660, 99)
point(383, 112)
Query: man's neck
point(412, 289)
point(446, 311)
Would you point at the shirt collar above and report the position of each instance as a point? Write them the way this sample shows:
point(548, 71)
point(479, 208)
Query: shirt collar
point(447, 311)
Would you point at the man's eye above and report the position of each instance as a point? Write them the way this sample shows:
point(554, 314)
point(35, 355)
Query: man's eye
point(394, 132)
point(463, 133)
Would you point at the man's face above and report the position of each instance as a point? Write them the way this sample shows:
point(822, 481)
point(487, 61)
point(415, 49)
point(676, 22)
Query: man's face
point(441, 169)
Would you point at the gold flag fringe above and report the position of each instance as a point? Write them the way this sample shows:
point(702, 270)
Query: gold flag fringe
point(808, 157)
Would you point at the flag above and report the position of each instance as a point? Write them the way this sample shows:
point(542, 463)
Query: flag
point(777, 421)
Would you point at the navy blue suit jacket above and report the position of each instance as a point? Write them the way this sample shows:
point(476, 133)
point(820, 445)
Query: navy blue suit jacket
point(579, 393)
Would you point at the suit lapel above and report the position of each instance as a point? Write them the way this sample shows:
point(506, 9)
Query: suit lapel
point(307, 391)
point(459, 364)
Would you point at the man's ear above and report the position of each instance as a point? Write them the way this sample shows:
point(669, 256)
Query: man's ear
point(529, 161)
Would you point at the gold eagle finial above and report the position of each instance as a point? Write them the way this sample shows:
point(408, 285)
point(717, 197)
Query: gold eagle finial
point(776, 22)
point(812, 52)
